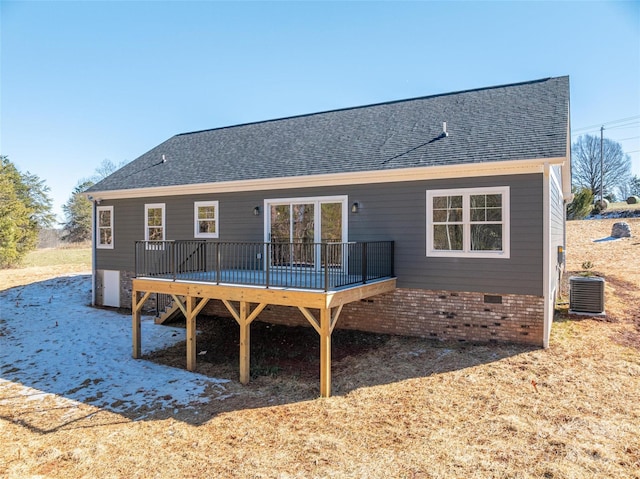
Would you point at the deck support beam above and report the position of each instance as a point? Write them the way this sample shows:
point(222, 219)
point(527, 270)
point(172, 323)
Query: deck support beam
point(245, 344)
point(244, 318)
point(191, 333)
point(324, 326)
point(136, 307)
point(191, 308)
point(325, 352)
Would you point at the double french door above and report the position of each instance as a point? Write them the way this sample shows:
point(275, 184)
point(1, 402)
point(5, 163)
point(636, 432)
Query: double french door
point(297, 227)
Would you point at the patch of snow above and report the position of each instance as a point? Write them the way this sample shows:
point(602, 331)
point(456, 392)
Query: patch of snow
point(608, 238)
point(54, 342)
point(614, 214)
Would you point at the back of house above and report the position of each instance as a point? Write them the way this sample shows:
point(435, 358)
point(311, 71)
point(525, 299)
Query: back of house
point(469, 187)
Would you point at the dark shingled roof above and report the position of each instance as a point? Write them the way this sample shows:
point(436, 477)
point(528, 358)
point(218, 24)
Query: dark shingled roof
point(511, 122)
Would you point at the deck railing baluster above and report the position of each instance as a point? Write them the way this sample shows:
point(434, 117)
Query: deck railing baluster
point(325, 255)
point(319, 266)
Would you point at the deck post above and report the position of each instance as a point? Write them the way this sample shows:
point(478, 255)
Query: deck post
point(137, 342)
point(325, 352)
point(136, 306)
point(191, 333)
point(245, 329)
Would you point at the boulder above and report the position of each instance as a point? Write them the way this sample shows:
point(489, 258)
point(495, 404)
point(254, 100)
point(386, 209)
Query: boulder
point(621, 230)
point(601, 205)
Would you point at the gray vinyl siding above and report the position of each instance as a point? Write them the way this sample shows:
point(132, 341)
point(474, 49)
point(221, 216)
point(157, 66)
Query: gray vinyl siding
point(390, 211)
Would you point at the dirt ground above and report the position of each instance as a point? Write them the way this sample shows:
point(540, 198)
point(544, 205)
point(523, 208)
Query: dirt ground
point(402, 407)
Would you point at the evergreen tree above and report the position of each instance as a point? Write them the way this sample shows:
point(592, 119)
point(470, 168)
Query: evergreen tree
point(77, 211)
point(581, 205)
point(25, 208)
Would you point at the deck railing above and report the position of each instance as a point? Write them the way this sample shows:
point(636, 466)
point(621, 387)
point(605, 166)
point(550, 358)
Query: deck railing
point(317, 266)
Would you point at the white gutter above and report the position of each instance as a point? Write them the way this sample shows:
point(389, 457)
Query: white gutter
point(93, 250)
point(546, 259)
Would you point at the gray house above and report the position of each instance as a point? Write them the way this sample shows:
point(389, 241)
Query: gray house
point(441, 216)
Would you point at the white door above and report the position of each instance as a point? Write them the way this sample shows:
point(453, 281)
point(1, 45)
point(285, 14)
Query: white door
point(111, 288)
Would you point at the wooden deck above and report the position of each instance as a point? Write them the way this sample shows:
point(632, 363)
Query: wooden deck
point(245, 303)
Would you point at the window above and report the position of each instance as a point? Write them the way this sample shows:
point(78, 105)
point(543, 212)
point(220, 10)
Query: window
point(206, 219)
point(104, 229)
point(472, 222)
point(155, 222)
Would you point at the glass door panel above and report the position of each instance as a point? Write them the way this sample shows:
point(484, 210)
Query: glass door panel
point(292, 234)
point(280, 235)
point(303, 234)
point(331, 232)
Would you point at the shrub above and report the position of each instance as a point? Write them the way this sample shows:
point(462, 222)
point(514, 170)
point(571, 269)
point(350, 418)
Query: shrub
point(581, 204)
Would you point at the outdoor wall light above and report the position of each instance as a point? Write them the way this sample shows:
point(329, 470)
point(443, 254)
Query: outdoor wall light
point(355, 207)
point(256, 211)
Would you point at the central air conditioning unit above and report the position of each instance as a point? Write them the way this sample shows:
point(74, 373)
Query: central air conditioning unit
point(586, 295)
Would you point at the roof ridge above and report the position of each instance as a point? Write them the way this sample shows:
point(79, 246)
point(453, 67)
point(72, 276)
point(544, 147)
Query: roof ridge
point(370, 105)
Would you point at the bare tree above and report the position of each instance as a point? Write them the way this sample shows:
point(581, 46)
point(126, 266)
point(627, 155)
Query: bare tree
point(585, 162)
point(105, 169)
point(77, 209)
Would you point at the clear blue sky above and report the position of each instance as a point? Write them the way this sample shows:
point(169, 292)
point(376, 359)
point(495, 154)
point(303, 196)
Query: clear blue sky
point(87, 81)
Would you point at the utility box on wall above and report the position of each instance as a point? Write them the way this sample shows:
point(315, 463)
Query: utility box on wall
point(586, 295)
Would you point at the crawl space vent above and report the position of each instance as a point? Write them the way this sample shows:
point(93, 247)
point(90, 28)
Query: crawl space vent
point(586, 295)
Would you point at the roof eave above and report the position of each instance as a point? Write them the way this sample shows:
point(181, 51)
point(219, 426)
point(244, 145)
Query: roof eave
point(495, 168)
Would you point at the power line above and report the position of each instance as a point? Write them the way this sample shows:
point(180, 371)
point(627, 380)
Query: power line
point(575, 133)
point(621, 120)
point(628, 125)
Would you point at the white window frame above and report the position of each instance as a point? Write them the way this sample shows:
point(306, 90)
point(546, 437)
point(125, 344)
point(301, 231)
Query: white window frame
point(99, 227)
point(147, 207)
point(466, 251)
point(196, 219)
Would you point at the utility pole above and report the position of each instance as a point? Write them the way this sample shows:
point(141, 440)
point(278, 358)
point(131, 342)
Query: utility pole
point(601, 164)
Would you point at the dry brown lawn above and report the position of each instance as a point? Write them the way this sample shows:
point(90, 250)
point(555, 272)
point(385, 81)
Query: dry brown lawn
point(402, 407)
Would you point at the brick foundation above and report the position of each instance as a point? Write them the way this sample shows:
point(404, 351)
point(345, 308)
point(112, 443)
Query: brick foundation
point(450, 315)
point(126, 287)
point(442, 315)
